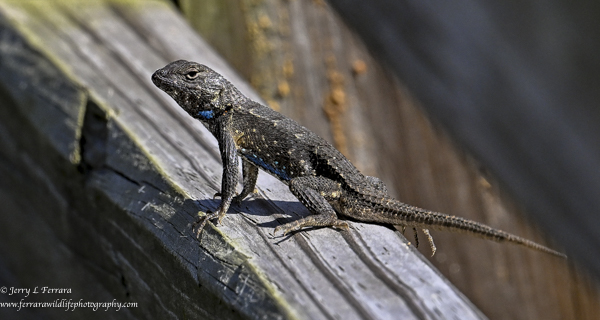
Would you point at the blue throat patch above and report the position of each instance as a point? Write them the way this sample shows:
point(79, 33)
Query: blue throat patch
point(206, 114)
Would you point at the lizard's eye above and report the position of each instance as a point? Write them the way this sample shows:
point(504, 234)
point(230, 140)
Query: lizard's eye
point(191, 75)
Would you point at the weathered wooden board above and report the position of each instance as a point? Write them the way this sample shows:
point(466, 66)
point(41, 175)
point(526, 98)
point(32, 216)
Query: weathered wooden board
point(102, 175)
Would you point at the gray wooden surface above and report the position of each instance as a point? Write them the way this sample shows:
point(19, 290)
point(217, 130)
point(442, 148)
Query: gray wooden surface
point(102, 175)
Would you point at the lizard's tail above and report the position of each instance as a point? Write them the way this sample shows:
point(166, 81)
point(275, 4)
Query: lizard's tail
point(463, 225)
point(423, 219)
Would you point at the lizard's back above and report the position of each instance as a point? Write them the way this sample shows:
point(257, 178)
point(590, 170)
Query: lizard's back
point(285, 148)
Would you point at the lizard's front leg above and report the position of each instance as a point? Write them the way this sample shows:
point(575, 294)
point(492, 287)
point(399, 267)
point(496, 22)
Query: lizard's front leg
point(314, 193)
point(229, 180)
point(250, 174)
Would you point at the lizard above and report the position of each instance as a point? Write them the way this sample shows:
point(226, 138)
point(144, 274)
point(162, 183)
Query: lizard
point(317, 174)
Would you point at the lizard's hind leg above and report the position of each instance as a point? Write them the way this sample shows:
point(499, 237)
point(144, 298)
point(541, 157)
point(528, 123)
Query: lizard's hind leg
point(402, 228)
point(314, 193)
point(430, 239)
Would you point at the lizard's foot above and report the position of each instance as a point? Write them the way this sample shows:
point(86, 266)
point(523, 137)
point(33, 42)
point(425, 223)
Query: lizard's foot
point(202, 222)
point(416, 235)
point(237, 200)
point(204, 219)
point(312, 221)
point(431, 243)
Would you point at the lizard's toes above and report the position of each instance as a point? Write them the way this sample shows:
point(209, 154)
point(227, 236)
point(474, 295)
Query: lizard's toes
point(341, 225)
point(237, 200)
point(202, 220)
point(280, 228)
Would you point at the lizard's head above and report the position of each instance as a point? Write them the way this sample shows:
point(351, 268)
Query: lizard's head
point(197, 88)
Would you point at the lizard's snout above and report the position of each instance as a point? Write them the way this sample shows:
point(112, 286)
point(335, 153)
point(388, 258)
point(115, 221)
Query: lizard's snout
point(156, 78)
point(159, 78)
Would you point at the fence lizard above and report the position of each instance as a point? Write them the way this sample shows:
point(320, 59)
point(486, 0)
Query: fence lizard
point(317, 174)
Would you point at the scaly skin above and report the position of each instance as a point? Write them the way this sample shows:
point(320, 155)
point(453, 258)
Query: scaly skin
point(316, 173)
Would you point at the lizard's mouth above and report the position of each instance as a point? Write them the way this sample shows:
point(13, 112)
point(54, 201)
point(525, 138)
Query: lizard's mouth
point(159, 80)
point(165, 84)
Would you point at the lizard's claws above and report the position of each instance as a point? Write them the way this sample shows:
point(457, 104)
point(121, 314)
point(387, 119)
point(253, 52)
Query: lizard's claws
point(237, 200)
point(204, 219)
point(297, 225)
point(279, 228)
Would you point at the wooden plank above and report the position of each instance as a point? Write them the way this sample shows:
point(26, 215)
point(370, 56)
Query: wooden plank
point(104, 175)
